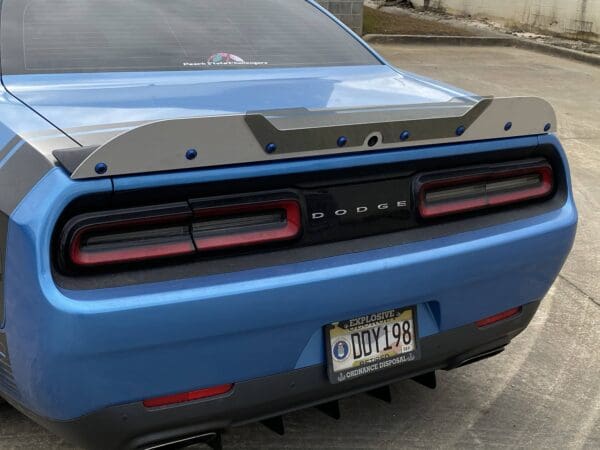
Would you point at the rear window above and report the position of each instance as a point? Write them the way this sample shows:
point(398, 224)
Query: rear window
point(48, 36)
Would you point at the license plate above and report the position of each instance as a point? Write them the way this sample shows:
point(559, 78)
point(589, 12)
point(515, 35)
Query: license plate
point(371, 343)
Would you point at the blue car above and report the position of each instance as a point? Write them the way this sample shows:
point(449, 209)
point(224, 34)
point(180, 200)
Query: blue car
point(216, 212)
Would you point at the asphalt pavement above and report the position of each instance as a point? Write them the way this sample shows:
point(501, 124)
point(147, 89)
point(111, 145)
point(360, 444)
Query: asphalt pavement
point(544, 391)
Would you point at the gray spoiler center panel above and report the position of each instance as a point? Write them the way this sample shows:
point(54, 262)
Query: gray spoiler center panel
point(193, 143)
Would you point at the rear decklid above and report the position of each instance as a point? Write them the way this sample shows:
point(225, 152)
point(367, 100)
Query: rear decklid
point(160, 121)
point(94, 107)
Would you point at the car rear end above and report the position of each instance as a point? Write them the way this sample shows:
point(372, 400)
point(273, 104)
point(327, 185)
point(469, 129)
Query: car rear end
point(160, 288)
point(121, 335)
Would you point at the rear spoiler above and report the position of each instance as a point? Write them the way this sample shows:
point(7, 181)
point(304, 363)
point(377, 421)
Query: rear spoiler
point(255, 137)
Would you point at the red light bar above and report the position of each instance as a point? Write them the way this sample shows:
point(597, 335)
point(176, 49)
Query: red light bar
point(188, 396)
point(83, 258)
point(442, 194)
point(498, 317)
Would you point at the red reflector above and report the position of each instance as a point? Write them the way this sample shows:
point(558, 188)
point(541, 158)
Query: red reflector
point(442, 194)
point(188, 396)
point(498, 317)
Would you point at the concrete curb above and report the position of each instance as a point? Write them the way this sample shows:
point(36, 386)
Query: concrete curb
point(482, 41)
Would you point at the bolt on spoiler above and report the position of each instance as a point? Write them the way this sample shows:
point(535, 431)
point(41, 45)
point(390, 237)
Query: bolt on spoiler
point(254, 137)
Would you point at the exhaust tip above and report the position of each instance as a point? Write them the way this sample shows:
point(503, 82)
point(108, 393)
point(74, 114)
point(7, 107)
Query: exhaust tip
point(480, 357)
point(213, 440)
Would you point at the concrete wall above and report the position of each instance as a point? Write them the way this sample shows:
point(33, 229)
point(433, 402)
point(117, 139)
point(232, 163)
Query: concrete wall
point(349, 11)
point(572, 18)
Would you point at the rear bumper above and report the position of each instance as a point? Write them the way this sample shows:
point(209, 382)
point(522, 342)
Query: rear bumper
point(134, 426)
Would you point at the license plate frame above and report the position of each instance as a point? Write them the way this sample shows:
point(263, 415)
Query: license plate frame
point(344, 333)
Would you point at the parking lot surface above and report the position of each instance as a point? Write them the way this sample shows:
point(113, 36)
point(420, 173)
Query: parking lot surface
point(544, 391)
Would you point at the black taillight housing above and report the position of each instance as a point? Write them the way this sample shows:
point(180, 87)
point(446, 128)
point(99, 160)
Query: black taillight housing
point(208, 228)
point(176, 229)
point(449, 192)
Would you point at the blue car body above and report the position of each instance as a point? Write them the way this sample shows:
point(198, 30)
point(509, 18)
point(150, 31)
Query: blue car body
point(70, 353)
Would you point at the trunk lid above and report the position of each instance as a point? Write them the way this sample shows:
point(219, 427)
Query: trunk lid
point(95, 107)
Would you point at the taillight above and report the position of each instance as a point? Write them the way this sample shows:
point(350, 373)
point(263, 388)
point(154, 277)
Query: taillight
point(223, 227)
point(463, 190)
point(151, 233)
point(125, 236)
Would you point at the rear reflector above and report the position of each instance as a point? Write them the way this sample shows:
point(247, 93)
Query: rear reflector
point(498, 317)
point(188, 396)
point(458, 191)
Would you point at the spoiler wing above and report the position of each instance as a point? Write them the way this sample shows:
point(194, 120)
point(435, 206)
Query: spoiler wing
point(284, 134)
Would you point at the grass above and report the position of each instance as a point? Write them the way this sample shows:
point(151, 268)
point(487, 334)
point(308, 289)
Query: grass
point(380, 22)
